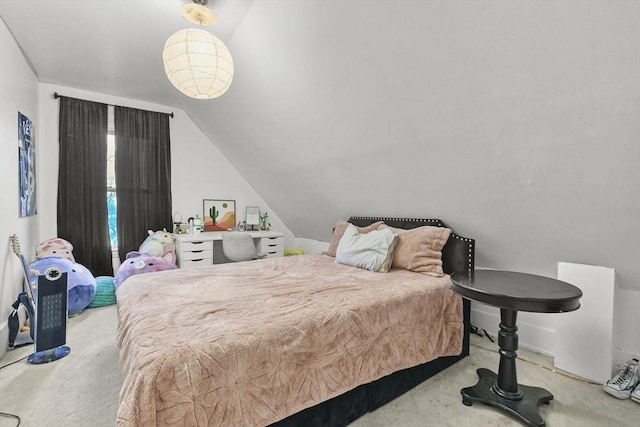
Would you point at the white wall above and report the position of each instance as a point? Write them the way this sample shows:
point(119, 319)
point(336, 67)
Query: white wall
point(198, 169)
point(515, 122)
point(18, 92)
point(310, 246)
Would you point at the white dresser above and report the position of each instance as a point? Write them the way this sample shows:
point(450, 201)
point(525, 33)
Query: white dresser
point(193, 250)
point(273, 246)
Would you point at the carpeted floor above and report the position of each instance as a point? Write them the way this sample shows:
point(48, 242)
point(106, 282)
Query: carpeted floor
point(82, 389)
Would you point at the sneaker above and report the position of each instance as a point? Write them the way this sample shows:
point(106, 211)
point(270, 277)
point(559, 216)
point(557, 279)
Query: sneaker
point(635, 394)
point(624, 383)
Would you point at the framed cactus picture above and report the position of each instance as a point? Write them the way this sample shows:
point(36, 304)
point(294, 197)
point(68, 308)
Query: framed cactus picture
point(219, 215)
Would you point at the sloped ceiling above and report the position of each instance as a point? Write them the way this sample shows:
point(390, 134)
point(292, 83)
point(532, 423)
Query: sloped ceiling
point(111, 46)
point(482, 113)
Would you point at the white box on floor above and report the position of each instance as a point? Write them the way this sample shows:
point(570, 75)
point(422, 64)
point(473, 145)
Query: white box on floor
point(584, 338)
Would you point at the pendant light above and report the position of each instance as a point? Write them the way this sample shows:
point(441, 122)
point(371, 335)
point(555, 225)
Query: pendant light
point(196, 62)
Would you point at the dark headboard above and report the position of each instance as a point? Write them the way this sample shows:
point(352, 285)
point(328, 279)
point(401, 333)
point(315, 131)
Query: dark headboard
point(458, 253)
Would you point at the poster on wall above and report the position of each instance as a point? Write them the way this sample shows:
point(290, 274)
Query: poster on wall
point(26, 166)
point(219, 215)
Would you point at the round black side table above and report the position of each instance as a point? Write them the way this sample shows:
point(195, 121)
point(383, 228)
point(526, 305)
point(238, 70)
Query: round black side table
point(512, 292)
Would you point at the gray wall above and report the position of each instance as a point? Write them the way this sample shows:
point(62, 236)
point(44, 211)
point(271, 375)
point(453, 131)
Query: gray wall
point(514, 122)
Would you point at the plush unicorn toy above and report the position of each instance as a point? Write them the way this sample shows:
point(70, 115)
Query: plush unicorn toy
point(156, 253)
point(160, 245)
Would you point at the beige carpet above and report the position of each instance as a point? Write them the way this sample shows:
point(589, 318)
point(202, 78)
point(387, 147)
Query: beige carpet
point(82, 389)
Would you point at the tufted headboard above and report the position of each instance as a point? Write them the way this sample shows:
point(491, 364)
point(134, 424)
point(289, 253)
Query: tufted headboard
point(458, 253)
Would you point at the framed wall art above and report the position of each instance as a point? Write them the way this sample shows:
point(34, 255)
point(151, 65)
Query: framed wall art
point(26, 166)
point(219, 215)
point(253, 217)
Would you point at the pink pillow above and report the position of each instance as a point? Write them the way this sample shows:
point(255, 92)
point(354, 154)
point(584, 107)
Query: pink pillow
point(419, 249)
point(338, 231)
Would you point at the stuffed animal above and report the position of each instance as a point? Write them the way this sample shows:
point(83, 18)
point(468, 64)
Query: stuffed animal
point(138, 264)
point(55, 247)
point(81, 285)
point(159, 244)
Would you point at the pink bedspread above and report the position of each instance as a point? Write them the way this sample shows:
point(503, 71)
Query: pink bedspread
point(248, 344)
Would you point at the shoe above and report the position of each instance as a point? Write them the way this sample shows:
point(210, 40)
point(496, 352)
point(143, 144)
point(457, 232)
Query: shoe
point(635, 394)
point(624, 383)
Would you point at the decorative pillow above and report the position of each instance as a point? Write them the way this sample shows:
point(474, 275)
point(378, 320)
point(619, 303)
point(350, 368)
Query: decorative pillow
point(372, 251)
point(419, 249)
point(339, 229)
point(388, 259)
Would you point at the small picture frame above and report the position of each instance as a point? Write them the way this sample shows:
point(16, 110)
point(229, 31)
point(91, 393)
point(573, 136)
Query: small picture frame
point(253, 217)
point(219, 214)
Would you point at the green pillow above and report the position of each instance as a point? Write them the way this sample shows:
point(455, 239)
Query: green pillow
point(105, 292)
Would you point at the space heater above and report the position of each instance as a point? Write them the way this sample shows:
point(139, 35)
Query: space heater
point(50, 317)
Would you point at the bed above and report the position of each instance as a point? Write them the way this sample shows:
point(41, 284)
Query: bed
point(299, 340)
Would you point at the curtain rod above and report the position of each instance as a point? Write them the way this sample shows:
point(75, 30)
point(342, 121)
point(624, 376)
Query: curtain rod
point(56, 95)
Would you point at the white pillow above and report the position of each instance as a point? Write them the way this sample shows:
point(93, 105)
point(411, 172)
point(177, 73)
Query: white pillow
point(368, 251)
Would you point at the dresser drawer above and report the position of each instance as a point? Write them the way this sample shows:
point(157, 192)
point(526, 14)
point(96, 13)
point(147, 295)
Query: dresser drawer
point(194, 253)
point(198, 254)
point(275, 253)
point(270, 242)
point(196, 245)
point(272, 246)
point(201, 262)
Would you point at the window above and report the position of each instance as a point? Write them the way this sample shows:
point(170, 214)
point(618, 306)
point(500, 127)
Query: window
point(112, 205)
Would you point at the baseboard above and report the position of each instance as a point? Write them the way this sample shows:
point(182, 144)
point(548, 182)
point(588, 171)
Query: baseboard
point(4, 338)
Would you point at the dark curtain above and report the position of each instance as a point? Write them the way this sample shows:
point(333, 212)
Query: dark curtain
point(82, 183)
point(143, 175)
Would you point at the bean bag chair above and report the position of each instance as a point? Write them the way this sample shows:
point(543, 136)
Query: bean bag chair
point(105, 292)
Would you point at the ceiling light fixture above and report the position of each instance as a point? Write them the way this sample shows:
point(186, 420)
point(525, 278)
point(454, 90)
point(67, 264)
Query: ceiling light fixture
point(198, 14)
point(196, 62)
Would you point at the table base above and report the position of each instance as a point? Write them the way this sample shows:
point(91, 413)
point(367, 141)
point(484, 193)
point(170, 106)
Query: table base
point(525, 408)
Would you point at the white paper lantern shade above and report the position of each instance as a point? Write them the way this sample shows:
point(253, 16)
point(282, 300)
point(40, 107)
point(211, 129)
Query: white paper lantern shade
point(197, 63)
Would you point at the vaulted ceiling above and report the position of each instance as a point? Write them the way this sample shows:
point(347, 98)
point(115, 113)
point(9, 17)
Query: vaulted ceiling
point(113, 46)
point(472, 111)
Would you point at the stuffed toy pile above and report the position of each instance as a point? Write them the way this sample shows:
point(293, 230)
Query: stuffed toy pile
point(81, 285)
point(160, 245)
point(157, 253)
